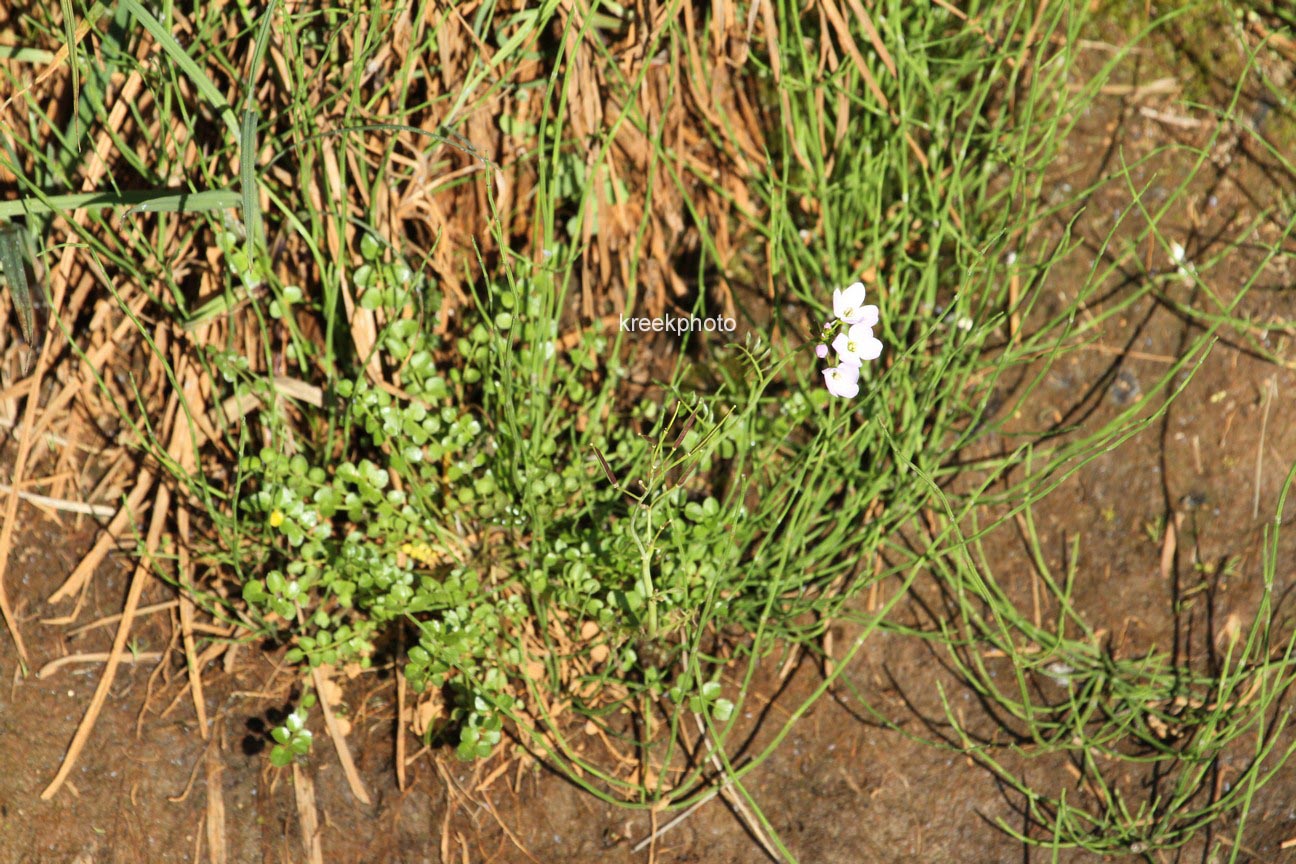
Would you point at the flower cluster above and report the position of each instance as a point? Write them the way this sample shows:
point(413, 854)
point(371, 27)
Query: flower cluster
point(854, 342)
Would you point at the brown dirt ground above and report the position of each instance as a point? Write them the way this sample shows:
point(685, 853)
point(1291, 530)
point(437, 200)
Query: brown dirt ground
point(840, 789)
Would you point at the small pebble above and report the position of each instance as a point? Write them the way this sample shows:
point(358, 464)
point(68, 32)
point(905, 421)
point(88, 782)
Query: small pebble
point(1125, 389)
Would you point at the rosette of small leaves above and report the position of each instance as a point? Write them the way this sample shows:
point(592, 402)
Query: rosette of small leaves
point(231, 239)
point(352, 549)
point(428, 440)
point(567, 577)
point(292, 738)
point(459, 651)
point(348, 544)
point(231, 365)
point(540, 466)
point(384, 284)
point(342, 533)
point(706, 698)
point(700, 548)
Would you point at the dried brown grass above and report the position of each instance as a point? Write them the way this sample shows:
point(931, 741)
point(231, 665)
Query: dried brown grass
point(616, 96)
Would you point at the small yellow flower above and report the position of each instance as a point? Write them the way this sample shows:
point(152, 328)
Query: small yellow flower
point(276, 518)
point(420, 552)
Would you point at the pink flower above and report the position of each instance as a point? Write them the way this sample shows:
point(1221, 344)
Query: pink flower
point(821, 351)
point(857, 345)
point(842, 381)
point(848, 305)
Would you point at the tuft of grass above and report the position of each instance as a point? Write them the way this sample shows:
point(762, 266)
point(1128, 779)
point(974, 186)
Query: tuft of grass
point(1146, 736)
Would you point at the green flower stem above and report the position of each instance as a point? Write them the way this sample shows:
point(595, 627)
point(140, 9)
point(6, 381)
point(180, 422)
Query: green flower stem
point(645, 570)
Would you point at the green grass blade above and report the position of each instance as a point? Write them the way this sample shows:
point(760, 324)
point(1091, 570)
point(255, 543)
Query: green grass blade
point(248, 186)
point(15, 273)
point(247, 140)
point(69, 33)
point(186, 63)
point(150, 201)
point(19, 54)
point(258, 54)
